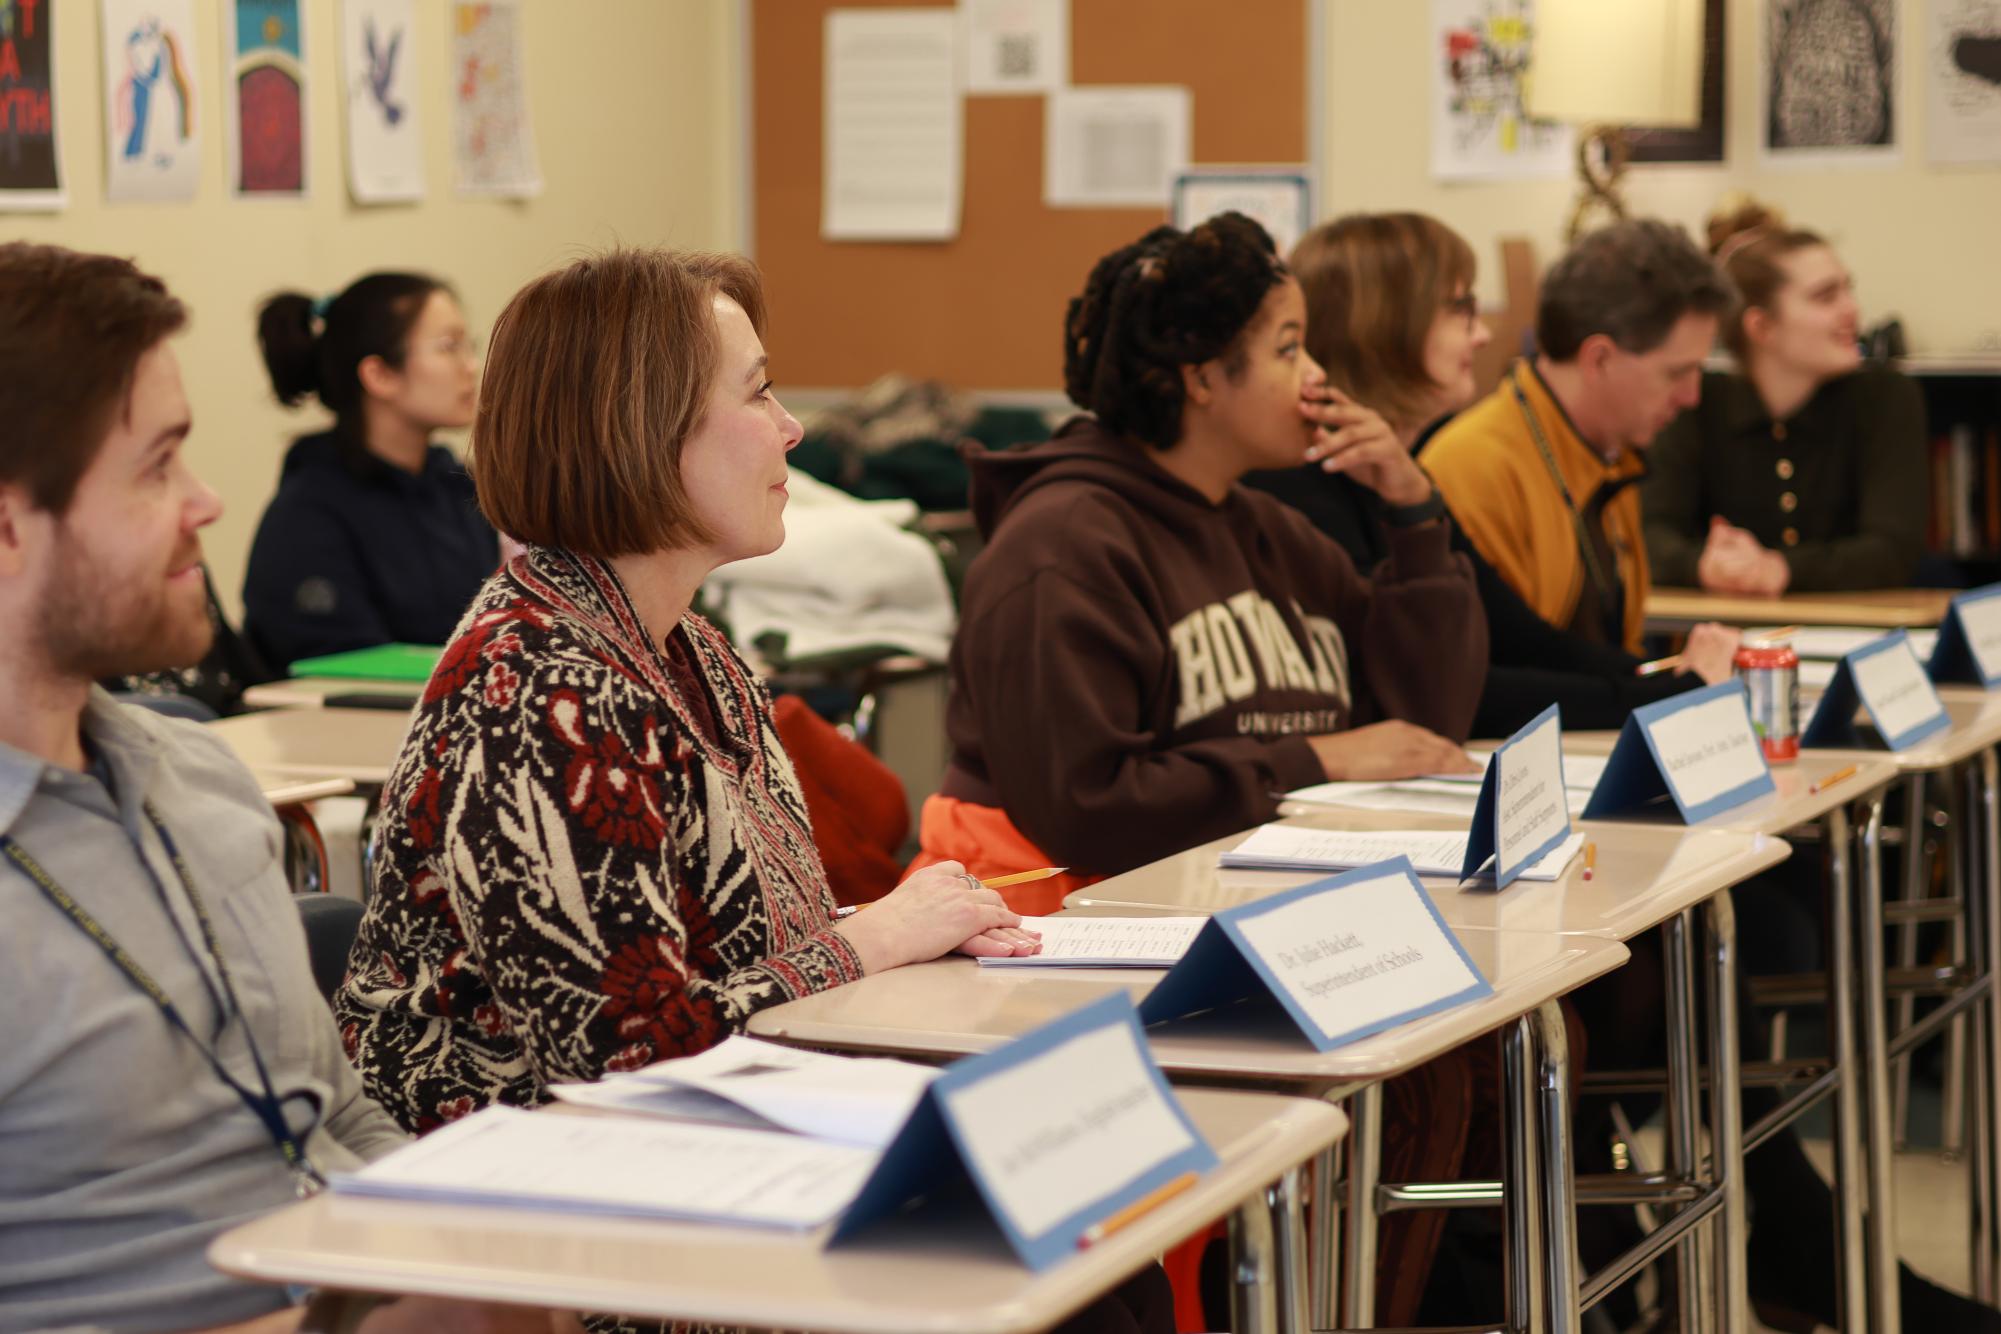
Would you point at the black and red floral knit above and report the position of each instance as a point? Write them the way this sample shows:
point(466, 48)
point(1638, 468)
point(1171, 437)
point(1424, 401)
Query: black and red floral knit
point(592, 854)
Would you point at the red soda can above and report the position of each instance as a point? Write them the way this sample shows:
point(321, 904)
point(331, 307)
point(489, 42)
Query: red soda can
point(1771, 674)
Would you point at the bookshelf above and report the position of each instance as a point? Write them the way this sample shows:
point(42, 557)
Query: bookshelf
point(1963, 419)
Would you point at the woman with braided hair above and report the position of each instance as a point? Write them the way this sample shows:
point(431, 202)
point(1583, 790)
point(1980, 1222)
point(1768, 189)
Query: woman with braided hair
point(1149, 653)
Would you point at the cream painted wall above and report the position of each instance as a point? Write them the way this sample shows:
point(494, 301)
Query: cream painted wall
point(634, 148)
point(1924, 242)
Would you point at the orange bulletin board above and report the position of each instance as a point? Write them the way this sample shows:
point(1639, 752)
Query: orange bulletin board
point(985, 310)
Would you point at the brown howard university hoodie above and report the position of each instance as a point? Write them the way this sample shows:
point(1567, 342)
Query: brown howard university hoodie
point(1137, 670)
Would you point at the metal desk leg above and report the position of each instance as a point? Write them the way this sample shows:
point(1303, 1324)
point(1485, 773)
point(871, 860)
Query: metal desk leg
point(1253, 1269)
point(1726, 1117)
point(1979, 1091)
point(1984, 887)
point(1848, 1172)
point(1879, 1233)
point(1324, 1239)
point(1365, 1160)
point(1519, 1210)
point(1559, 1204)
point(1288, 1224)
point(1684, 1150)
point(1907, 945)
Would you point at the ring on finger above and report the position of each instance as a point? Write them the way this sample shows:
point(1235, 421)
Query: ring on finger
point(972, 881)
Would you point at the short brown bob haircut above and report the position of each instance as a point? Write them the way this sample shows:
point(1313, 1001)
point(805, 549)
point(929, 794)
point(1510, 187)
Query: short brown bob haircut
point(597, 375)
point(1374, 284)
point(73, 327)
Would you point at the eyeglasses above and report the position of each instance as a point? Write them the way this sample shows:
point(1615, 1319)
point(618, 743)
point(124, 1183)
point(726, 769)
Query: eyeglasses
point(463, 346)
point(1465, 305)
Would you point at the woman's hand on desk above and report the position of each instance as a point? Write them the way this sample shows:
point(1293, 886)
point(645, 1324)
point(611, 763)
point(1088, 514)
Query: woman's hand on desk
point(1388, 751)
point(1733, 561)
point(1711, 651)
point(934, 912)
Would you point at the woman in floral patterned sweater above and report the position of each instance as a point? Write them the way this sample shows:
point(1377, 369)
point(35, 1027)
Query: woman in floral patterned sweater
point(593, 853)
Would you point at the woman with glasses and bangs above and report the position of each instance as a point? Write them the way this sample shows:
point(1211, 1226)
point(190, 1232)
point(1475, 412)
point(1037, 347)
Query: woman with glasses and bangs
point(375, 536)
point(1392, 317)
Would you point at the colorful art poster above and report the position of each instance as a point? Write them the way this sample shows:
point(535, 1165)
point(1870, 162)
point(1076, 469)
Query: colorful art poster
point(1479, 128)
point(265, 112)
point(385, 151)
point(30, 168)
point(1829, 81)
point(493, 139)
point(152, 144)
point(1963, 80)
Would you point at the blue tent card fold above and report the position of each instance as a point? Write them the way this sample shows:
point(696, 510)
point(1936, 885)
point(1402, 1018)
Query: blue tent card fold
point(1968, 649)
point(1885, 680)
point(1345, 957)
point(1523, 812)
point(1697, 748)
point(1054, 1132)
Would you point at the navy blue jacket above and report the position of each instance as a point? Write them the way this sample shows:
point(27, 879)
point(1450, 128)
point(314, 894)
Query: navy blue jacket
point(354, 552)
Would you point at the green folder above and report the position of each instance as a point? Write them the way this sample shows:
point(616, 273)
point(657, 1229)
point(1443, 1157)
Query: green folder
point(411, 663)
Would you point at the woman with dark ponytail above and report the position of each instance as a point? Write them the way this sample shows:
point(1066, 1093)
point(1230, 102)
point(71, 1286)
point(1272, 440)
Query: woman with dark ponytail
point(374, 536)
point(1149, 653)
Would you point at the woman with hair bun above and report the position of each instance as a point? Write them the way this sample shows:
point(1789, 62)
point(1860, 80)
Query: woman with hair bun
point(1148, 653)
point(374, 536)
point(1803, 469)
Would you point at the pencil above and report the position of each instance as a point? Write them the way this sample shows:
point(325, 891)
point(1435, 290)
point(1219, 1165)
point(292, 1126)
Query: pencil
point(1590, 860)
point(1140, 1207)
point(1831, 780)
point(1658, 665)
point(1023, 877)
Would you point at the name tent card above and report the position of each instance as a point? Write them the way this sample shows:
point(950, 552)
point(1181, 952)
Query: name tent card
point(1968, 648)
point(1697, 748)
point(1055, 1132)
point(1886, 681)
point(1347, 956)
point(1523, 813)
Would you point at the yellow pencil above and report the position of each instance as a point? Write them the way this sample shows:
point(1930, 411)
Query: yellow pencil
point(1831, 780)
point(1658, 665)
point(1140, 1207)
point(1023, 877)
point(1590, 860)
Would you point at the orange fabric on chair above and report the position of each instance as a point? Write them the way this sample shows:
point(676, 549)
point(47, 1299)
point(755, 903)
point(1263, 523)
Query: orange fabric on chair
point(860, 817)
point(987, 843)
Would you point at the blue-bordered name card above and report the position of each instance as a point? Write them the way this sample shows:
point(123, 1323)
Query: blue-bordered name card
point(1347, 956)
point(1696, 748)
point(1968, 650)
point(1056, 1131)
point(1523, 812)
point(1885, 680)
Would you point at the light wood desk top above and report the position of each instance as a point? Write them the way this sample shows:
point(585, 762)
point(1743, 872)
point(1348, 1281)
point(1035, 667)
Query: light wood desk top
point(284, 790)
point(357, 744)
point(1672, 608)
point(310, 692)
point(925, 1273)
point(1793, 805)
point(953, 1007)
point(1976, 726)
point(1645, 875)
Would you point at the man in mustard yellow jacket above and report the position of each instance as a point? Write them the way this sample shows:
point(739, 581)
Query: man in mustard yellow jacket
point(1542, 473)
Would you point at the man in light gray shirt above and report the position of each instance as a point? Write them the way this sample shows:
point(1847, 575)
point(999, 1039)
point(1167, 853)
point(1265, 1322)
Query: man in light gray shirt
point(150, 1102)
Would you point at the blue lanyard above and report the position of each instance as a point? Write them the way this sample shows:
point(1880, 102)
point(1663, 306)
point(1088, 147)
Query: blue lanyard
point(266, 1106)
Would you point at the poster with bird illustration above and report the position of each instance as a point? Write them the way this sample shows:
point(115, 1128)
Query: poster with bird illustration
point(385, 149)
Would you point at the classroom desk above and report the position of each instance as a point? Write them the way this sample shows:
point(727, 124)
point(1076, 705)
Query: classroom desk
point(305, 850)
point(921, 1274)
point(952, 1007)
point(360, 745)
point(1645, 877)
point(311, 692)
point(1679, 608)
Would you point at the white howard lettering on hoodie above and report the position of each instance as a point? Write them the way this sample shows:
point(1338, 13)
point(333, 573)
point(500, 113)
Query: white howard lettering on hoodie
point(1224, 653)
